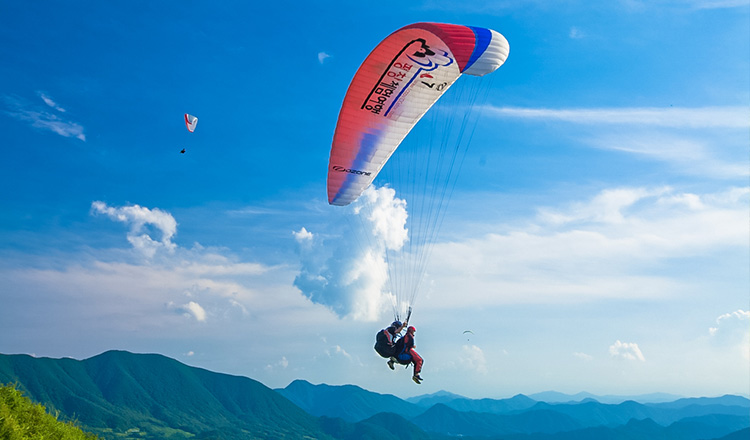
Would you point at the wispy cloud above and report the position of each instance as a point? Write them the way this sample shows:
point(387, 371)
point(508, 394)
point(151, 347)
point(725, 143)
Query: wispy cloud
point(39, 117)
point(699, 155)
point(675, 117)
point(603, 247)
point(47, 100)
point(708, 141)
point(282, 363)
point(255, 211)
point(626, 350)
point(502, 6)
point(717, 4)
point(322, 57)
point(576, 33)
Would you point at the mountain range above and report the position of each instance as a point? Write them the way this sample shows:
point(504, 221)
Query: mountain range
point(122, 395)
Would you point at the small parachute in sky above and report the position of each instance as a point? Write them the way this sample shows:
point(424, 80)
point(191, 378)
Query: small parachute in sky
point(468, 331)
point(190, 122)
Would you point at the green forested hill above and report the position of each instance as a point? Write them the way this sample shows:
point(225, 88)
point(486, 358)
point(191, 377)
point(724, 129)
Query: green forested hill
point(152, 396)
point(126, 396)
point(21, 419)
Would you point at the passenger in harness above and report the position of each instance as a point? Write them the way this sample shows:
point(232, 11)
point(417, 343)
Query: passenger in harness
point(385, 341)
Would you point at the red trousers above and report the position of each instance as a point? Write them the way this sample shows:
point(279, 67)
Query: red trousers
point(417, 359)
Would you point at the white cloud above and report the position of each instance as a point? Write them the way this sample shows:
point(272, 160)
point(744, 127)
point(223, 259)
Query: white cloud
point(730, 320)
point(40, 118)
point(349, 275)
point(675, 117)
point(322, 56)
point(583, 356)
point(704, 141)
point(302, 235)
point(626, 350)
point(339, 350)
point(692, 155)
point(190, 310)
point(386, 214)
point(140, 218)
point(282, 363)
point(47, 100)
point(603, 247)
point(195, 310)
point(474, 358)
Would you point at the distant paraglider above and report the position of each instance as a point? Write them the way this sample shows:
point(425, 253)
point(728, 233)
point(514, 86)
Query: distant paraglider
point(190, 122)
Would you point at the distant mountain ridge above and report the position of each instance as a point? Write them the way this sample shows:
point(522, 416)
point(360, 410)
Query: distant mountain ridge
point(124, 396)
point(455, 415)
point(555, 397)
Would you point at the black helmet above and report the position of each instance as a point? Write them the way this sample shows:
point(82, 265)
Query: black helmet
point(396, 324)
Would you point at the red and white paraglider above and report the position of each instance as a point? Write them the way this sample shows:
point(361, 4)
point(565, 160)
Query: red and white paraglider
point(190, 122)
point(393, 89)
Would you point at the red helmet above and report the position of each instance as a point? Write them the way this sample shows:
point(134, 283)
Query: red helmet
point(411, 329)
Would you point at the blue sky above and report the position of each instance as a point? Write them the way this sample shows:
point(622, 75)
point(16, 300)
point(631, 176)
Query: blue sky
point(597, 239)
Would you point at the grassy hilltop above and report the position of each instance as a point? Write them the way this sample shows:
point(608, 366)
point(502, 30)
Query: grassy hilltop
point(21, 419)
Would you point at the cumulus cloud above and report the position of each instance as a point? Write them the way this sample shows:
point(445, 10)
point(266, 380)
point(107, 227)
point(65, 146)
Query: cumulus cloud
point(322, 56)
point(474, 358)
point(302, 235)
point(626, 350)
point(40, 117)
point(195, 310)
point(140, 219)
point(730, 321)
point(190, 310)
point(351, 279)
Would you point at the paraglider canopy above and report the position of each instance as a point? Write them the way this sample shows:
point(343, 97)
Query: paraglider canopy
point(190, 122)
point(395, 86)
